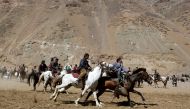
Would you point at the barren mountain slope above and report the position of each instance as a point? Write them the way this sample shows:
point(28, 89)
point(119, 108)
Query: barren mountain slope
point(148, 33)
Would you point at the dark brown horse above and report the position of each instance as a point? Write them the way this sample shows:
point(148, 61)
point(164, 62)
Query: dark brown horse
point(106, 83)
point(35, 77)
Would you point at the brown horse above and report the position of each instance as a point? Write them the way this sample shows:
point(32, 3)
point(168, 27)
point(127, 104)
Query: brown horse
point(106, 83)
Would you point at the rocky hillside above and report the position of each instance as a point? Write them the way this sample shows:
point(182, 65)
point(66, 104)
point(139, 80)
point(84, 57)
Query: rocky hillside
point(148, 33)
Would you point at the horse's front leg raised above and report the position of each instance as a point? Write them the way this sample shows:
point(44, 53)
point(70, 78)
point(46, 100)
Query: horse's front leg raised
point(137, 92)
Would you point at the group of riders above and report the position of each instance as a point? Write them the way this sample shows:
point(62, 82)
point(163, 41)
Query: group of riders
point(82, 69)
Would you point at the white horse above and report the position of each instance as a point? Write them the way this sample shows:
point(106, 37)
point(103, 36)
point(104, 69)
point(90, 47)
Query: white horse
point(69, 80)
point(7, 75)
point(163, 79)
point(47, 75)
point(92, 82)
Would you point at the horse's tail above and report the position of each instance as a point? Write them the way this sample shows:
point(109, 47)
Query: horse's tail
point(40, 78)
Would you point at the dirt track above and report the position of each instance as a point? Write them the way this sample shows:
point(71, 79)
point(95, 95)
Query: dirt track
point(21, 97)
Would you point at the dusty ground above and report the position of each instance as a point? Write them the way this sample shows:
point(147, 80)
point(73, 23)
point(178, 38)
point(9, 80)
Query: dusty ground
point(16, 95)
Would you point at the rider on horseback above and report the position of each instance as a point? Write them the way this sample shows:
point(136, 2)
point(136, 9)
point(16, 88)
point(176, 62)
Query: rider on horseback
point(42, 67)
point(84, 68)
point(174, 80)
point(54, 65)
point(75, 69)
point(118, 68)
point(34, 70)
point(156, 75)
point(4, 71)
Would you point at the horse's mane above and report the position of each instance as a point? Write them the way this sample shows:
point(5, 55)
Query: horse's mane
point(138, 70)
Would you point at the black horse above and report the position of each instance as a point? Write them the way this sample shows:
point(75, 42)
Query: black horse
point(129, 84)
point(35, 77)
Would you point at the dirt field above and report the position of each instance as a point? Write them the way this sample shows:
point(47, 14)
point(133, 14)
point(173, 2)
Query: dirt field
point(16, 95)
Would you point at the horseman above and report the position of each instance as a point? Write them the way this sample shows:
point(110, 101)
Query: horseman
point(42, 67)
point(156, 75)
point(68, 68)
point(174, 80)
point(60, 67)
point(119, 69)
point(23, 66)
point(54, 66)
point(75, 68)
point(34, 70)
point(4, 71)
point(84, 68)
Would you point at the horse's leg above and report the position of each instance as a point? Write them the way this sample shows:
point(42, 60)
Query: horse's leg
point(96, 99)
point(49, 83)
point(58, 91)
point(138, 83)
point(137, 92)
point(156, 84)
point(100, 92)
point(128, 97)
point(90, 93)
point(45, 85)
point(63, 85)
point(55, 92)
point(34, 85)
point(166, 83)
point(61, 90)
point(82, 94)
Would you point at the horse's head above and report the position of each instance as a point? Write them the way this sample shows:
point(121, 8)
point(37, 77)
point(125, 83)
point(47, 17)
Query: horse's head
point(144, 75)
point(104, 66)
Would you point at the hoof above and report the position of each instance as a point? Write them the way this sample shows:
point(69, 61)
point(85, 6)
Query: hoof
point(54, 100)
point(67, 92)
point(99, 106)
point(51, 97)
point(76, 103)
point(102, 103)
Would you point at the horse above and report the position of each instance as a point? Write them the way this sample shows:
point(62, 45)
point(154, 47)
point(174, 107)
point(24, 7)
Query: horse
point(47, 77)
point(35, 77)
point(174, 81)
point(112, 84)
point(22, 73)
point(163, 79)
point(58, 78)
point(3, 71)
point(69, 80)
